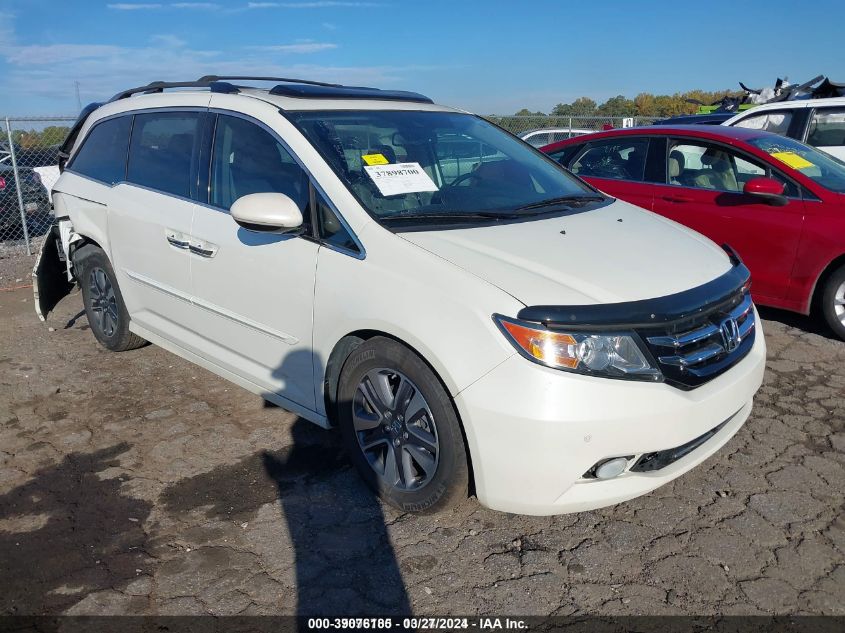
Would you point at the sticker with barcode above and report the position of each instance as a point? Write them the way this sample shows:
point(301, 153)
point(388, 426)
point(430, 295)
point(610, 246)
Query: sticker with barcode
point(394, 180)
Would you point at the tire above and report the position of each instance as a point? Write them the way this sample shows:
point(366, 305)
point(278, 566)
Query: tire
point(104, 306)
point(833, 302)
point(391, 402)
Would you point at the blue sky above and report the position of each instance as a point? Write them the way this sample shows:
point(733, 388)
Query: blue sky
point(489, 57)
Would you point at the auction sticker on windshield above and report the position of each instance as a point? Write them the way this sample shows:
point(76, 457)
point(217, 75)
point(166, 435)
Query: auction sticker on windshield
point(394, 180)
point(793, 160)
point(374, 159)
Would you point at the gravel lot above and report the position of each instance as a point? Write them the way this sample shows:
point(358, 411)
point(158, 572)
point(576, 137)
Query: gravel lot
point(139, 483)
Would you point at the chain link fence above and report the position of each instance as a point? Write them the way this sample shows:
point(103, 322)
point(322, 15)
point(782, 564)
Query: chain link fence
point(29, 167)
point(540, 130)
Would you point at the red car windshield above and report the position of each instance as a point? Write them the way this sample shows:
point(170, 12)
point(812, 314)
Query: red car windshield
point(818, 166)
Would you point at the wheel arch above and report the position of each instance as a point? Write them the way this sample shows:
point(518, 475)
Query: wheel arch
point(337, 359)
point(80, 248)
point(818, 287)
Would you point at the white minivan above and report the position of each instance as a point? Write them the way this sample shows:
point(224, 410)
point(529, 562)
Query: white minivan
point(485, 324)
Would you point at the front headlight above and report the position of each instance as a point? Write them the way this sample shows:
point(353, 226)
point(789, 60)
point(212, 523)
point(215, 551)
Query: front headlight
point(609, 354)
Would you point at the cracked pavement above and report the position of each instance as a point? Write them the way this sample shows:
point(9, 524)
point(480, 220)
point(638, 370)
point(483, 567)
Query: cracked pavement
point(139, 483)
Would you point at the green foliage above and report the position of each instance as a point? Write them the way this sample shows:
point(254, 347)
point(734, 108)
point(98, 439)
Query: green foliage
point(617, 106)
point(582, 106)
point(527, 112)
point(50, 135)
point(644, 104)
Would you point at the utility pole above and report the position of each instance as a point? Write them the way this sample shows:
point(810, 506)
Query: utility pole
point(78, 99)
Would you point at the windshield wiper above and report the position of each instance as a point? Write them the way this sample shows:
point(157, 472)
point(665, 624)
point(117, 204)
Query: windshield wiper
point(459, 216)
point(569, 201)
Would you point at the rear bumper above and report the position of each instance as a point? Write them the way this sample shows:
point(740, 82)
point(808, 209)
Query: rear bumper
point(534, 432)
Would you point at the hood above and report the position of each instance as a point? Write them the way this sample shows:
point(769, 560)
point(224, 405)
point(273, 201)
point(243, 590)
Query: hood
point(608, 255)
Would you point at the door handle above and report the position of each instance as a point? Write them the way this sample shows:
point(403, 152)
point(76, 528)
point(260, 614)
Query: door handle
point(679, 199)
point(196, 249)
point(175, 241)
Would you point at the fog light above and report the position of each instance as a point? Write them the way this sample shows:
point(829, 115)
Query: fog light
point(611, 468)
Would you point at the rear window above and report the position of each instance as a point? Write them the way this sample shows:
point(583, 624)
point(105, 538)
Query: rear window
point(162, 150)
point(775, 122)
point(103, 152)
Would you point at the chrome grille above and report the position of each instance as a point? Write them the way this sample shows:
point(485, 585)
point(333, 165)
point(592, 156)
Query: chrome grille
point(704, 349)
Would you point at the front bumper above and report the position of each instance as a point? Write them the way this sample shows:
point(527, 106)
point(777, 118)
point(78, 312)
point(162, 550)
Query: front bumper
point(533, 432)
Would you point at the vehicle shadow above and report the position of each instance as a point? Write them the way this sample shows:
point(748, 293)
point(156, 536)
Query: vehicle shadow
point(345, 562)
point(342, 556)
point(68, 532)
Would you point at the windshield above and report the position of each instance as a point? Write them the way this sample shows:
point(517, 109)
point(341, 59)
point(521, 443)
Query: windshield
point(815, 165)
point(439, 165)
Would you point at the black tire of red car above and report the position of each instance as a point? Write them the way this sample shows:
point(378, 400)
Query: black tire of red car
point(829, 302)
point(449, 482)
point(104, 306)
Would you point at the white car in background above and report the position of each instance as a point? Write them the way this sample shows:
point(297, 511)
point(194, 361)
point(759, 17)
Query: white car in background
point(816, 122)
point(470, 315)
point(547, 136)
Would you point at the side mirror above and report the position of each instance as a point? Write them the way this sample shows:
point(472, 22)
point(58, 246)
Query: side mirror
point(768, 190)
point(273, 212)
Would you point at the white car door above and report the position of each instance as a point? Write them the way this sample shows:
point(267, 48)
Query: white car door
point(150, 220)
point(253, 291)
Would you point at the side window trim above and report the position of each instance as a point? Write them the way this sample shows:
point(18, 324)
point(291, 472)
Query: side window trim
point(317, 223)
point(313, 184)
point(128, 149)
point(656, 161)
point(208, 133)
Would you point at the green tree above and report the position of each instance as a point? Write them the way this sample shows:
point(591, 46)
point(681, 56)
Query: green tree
point(582, 106)
point(618, 106)
point(645, 104)
point(527, 112)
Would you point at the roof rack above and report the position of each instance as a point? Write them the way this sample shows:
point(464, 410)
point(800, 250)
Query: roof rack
point(161, 86)
point(302, 88)
point(213, 78)
point(310, 91)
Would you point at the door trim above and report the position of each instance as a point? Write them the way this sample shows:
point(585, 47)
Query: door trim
point(211, 307)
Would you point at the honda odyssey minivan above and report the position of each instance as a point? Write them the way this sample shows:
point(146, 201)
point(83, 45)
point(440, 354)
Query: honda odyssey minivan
point(472, 318)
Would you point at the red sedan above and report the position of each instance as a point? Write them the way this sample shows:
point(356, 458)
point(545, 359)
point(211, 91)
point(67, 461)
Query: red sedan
point(779, 203)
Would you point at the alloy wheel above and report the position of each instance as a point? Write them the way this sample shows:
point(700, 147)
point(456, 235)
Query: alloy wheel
point(103, 302)
point(395, 428)
point(839, 303)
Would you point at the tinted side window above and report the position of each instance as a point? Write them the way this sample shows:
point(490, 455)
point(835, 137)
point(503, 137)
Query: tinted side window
point(827, 128)
point(162, 151)
point(247, 159)
point(619, 159)
point(103, 152)
point(563, 155)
